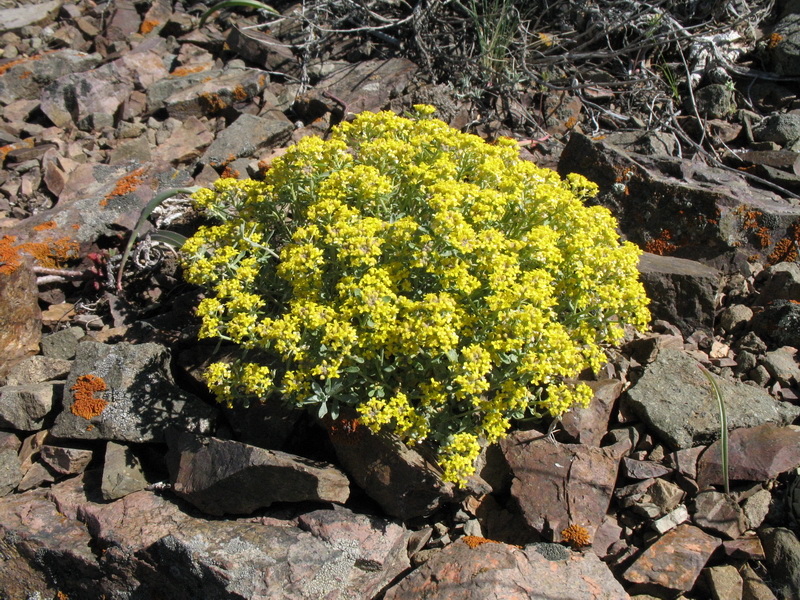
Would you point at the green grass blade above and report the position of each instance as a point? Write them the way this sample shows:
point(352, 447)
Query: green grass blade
point(176, 240)
point(146, 212)
point(723, 420)
point(232, 3)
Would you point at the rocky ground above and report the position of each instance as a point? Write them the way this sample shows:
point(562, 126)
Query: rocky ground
point(120, 477)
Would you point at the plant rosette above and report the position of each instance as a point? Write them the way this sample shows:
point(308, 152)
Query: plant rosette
point(437, 284)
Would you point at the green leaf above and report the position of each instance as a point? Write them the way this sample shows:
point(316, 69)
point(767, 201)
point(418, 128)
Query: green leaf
point(323, 410)
point(176, 240)
point(234, 3)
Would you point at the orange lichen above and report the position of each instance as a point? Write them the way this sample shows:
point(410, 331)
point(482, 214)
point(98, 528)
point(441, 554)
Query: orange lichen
point(773, 40)
point(4, 150)
point(570, 123)
point(786, 250)
point(124, 185)
point(86, 404)
point(345, 431)
point(148, 25)
point(45, 226)
point(661, 245)
point(183, 71)
point(576, 536)
point(25, 74)
point(228, 173)
point(50, 254)
point(750, 223)
point(473, 541)
point(212, 102)
point(240, 94)
point(19, 61)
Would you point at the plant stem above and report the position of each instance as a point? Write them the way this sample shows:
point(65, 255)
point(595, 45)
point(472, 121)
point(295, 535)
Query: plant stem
point(723, 418)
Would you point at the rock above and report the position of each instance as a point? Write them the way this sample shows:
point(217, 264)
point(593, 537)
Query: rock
point(367, 85)
point(735, 317)
point(754, 454)
point(674, 561)
point(649, 197)
point(9, 440)
point(719, 513)
point(205, 470)
point(19, 309)
point(24, 407)
point(589, 425)
point(35, 476)
point(671, 520)
point(782, 365)
point(783, 558)
point(642, 469)
point(650, 142)
point(756, 508)
point(245, 136)
point(10, 470)
point(65, 461)
point(781, 128)
point(475, 569)
point(398, 478)
point(186, 142)
point(62, 344)
point(91, 97)
point(37, 369)
point(15, 19)
point(779, 323)
point(665, 495)
point(675, 400)
point(785, 55)
point(24, 79)
point(681, 291)
point(263, 50)
point(753, 587)
point(714, 101)
point(685, 461)
point(558, 485)
point(724, 582)
point(41, 550)
point(122, 472)
point(211, 95)
point(30, 447)
point(125, 392)
point(779, 282)
point(748, 547)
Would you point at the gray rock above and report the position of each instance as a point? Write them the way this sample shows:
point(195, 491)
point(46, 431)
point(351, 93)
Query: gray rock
point(65, 461)
point(37, 369)
point(779, 282)
point(24, 407)
point(781, 128)
point(674, 561)
point(782, 365)
point(141, 399)
point(753, 587)
point(398, 478)
point(62, 344)
point(650, 142)
point(714, 101)
point(785, 56)
point(205, 470)
point(263, 50)
point(681, 291)
point(14, 19)
point(158, 92)
point(642, 469)
point(245, 136)
point(718, 513)
point(497, 570)
point(783, 557)
point(558, 485)
point(779, 323)
point(44, 69)
point(677, 516)
point(754, 454)
point(735, 317)
point(665, 495)
point(675, 399)
point(122, 472)
point(756, 508)
point(10, 470)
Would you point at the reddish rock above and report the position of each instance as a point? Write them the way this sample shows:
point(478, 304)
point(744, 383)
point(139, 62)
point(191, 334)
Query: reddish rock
point(204, 470)
point(747, 548)
point(685, 461)
point(754, 454)
point(558, 485)
point(477, 569)
point(19, 310)
point(589, 425)
point(642, 469)
point(718, 512)
point(66, 461)
point(674, 560)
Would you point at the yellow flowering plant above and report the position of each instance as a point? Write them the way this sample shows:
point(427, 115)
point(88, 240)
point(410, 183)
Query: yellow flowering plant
point(437, 284)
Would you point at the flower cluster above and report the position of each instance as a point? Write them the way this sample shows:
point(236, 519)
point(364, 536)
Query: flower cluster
point(437, 284)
